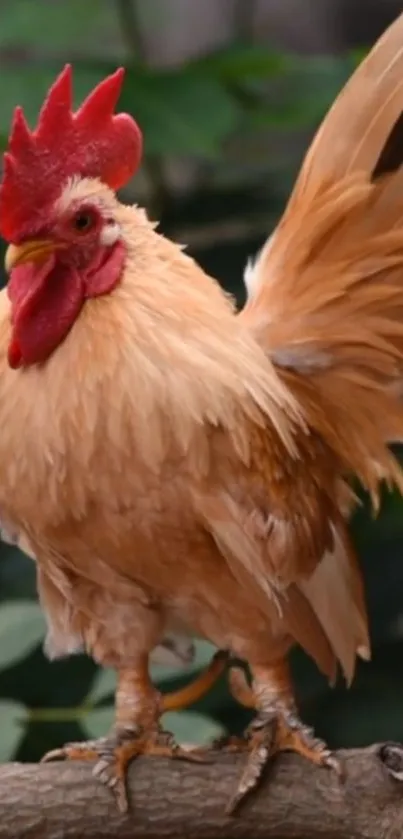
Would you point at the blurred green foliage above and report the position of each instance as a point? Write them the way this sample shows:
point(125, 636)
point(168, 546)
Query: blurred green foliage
point(190, 111)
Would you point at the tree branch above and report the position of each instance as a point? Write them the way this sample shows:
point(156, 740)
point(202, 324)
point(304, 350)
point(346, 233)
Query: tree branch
point(187, 800)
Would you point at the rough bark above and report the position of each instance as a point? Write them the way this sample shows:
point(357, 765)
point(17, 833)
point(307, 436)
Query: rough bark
point(187, 800)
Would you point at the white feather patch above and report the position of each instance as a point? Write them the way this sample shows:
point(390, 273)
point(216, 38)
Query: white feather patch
point(252, 277)
point(110, 234)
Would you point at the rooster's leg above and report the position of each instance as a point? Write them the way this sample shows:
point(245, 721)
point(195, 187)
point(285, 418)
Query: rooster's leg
point(137, 730)
point(275, 728)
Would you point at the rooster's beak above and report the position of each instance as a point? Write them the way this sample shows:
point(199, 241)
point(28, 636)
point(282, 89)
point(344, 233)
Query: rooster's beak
point(33, 251)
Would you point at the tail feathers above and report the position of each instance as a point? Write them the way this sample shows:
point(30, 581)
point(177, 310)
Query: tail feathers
point(305, 627)
point(335, 593)
point(325, 612)
point(325, 302)
point(327, 307)
point(326, 293)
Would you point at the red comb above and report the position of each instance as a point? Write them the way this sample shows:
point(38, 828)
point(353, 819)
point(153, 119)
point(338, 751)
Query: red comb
point(93, 142)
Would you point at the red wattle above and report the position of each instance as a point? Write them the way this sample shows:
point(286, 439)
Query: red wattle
point(47, 298)
point(45, 302)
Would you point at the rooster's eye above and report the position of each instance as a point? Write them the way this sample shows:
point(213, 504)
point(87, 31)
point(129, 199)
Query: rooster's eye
point(84, 221)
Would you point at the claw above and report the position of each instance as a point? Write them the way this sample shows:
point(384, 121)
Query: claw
point(193, 755)
point(268, 735)
point(88, 750)
point(54, 754)
point(275, 728)
point(114, 754)
point(230, 744)
point(260, 753)
point(293, 735)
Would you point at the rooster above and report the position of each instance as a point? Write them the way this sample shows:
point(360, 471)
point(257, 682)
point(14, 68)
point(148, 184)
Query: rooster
point(175, 466)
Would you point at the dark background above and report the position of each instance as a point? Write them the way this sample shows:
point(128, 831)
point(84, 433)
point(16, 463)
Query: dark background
point(228, 93)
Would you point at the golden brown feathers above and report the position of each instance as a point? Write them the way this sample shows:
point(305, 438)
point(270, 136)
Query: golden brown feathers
point(220, 445)
point(327, 302)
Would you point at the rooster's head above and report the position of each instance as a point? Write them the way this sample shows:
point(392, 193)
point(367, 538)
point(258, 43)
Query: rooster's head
point(57, 212)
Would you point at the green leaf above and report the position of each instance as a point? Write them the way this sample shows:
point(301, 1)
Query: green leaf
point(239, 63)
point(314, 82)
point(103, 685)
point(180, 112)
point(22, 628)
point(191, 728)
point(98, 722)
point(51, 25)
point(11, 718)
point(301, 94)
point(187, 727)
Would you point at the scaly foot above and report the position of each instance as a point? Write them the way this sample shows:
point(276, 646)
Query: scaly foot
point(270, 734)
point(114, 753)
point(275, 728)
